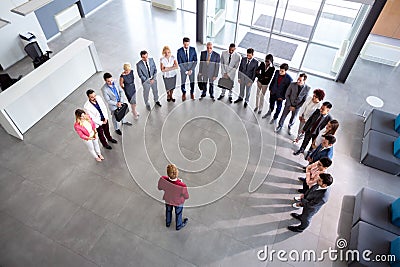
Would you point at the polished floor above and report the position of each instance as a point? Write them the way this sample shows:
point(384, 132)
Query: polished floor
point(58, 207)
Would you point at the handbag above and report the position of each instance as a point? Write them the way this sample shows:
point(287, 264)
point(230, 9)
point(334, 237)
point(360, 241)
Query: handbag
point(225, 83)
point(201, 82)
point(120, 112)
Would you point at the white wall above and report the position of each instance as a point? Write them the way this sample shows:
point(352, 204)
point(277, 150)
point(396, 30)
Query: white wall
point(11, 47)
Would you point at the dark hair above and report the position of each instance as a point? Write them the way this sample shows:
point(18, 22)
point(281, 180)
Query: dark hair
point(186, 39)
point(107, 75)
point(232, 45)
point(327, 104)
point(89, 92)
point(303, 75)
point(250, 50)
point(320, 94)
point(143, 52)
point(78, 114)
point(284, 66)
point(326, 178)
point(270, 58)
point(326, 162)
point(331, 139)
point(334, 127)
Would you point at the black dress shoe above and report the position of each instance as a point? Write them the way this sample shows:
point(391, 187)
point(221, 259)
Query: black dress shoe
point(238, 100)
point(301, 191)
point(168, 224)
point(294, 229)
point(302, 179)
point(185, 221)
point(230, 99)
point(295, 215)
point(158, 103)
point(113, 141)
point(220, 97)
point(245, 105)
point(107, 147)
point(118, 132)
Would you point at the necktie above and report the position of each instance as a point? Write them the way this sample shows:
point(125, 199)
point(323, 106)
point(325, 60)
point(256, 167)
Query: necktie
point(248, 61)
point(315, 125)
point(148, 69)
point(230, 57)
point(208, 58)
point(187, 56)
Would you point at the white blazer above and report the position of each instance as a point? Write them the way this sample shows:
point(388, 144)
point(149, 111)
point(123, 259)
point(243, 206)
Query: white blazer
point(94, 113)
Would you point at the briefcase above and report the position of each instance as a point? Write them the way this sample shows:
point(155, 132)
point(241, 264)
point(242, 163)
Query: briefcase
point(120, 113)
point(225, 83)
point(201, 82)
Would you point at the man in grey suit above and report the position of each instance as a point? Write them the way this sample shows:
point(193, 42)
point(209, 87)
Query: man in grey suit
point(312, 200)
point(295, 96)
point(146, 69)
point(114, 96)
point(208, 70)
point(247, 75)
point(230, 61)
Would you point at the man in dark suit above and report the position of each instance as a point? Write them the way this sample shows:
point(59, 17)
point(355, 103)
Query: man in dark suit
point(314, 124)
point(277, 88)
point(247, 75)
point(208, 70)
point(147, 70)
point(312, 200)
point(325, 149)
point(296, 95)
point(187, 60)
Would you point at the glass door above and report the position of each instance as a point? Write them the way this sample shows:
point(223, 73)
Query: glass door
point(335, 30)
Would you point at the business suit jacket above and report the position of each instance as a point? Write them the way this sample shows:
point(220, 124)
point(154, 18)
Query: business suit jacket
point(248, 73)
point(293, 97)
point(94, 113)
point(227, 67)
point(184, 64)
point(280, 90)
point(320, 153)
point(142, 70)
point(314, 199)
point(313, 118)
point(209, 70)
point(264, 76)
point(110, 97)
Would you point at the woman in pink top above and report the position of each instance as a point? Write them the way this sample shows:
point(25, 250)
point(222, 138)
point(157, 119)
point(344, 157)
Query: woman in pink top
point(86, 129)
point(175, 194)
point(312, 173)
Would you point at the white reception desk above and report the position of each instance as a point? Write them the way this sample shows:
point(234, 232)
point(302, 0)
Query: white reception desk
point(31, 98)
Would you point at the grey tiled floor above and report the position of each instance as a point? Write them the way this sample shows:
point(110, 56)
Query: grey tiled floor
point(58, 207)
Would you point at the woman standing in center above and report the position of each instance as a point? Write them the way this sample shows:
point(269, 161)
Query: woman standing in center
point(127, 83)
point(168, 64)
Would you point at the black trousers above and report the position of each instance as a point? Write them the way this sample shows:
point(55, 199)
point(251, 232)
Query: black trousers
point(104, 132)
point(307, 138)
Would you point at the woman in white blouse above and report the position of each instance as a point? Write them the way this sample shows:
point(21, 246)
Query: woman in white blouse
point(168, 65)
point(312, 103)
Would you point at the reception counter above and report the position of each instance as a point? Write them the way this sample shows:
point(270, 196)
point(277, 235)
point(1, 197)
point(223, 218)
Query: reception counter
point(31, 98)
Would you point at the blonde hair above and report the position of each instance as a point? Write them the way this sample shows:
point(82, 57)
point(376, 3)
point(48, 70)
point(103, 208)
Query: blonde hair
point(127, 66)
point(172, 171)
point(165, 48)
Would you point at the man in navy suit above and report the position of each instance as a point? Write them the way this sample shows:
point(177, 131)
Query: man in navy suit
point(247, 75)
point(277, 88)
point(312, 200)
point(208, 70)
point(146, 69)
point(325, 149)
point(187, 60)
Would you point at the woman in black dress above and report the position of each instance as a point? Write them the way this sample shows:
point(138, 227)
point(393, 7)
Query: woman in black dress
point(127, 82)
